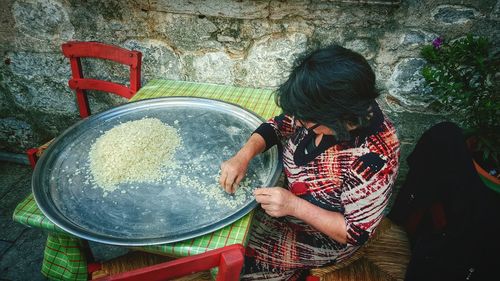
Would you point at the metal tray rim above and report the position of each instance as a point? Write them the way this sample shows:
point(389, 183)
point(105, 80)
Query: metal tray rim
point(42, 198)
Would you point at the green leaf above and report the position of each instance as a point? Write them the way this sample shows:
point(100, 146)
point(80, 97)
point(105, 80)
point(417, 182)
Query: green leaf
point(461, 75)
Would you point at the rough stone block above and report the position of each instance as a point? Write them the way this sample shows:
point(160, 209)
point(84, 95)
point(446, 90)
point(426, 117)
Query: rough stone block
point(110, 21)
point(213, 68)
point(42, 25)
point(187, 32)
point(41, 81)
point(4, 245)
point(158, 59)
point(270, 60)
point(9, 229)
point(16, 135)
point(365, 46)
point(10, 175)
point(23, 261)
point(451, 14)
point(5, 104)
point(224, 8)
point(407, 84)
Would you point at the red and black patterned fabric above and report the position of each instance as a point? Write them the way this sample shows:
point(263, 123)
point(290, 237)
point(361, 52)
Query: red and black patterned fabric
point(354, 178)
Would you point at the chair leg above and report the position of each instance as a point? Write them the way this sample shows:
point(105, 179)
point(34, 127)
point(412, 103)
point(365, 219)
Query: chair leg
point(88, 252)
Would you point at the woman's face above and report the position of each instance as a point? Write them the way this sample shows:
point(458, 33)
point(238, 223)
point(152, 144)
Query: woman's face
point(318, 128)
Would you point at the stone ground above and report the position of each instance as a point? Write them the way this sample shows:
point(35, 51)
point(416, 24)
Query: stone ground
point(21, 247)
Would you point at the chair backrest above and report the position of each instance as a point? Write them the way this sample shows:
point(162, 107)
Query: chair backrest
point(74, 50)
point(228, 259)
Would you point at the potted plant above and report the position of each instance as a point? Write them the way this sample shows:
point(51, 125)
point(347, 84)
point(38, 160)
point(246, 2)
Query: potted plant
point(463, 76)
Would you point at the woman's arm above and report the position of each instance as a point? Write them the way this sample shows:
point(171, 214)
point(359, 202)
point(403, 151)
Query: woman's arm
point(234, 169)
point(278, 202)
point(264, 137)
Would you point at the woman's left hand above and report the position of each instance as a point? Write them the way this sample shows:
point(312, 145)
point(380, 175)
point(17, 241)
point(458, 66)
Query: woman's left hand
point(277, 201)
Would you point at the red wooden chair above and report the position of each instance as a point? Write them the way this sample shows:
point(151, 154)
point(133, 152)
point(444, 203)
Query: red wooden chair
point(76, 50)
point(229, 261)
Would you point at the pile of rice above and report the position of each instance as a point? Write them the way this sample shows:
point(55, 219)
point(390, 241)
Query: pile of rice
point(134, 151)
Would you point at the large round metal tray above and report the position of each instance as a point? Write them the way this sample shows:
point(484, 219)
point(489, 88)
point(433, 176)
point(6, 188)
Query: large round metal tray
point(152, 213)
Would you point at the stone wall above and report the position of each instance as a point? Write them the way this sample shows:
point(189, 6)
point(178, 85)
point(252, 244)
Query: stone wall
point(245, 43)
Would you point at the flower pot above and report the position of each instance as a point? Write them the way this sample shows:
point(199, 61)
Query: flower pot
point(489, 180)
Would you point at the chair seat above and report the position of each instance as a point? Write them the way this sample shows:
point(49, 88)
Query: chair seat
point(360, 270)
point(384, 257)
point(136, 259)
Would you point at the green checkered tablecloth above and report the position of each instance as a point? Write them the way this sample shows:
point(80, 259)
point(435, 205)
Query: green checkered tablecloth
point(260, 101)
point(64, 255)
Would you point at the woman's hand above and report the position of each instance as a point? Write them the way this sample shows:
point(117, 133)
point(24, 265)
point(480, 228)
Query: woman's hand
point(277, 201)
point(232, 172)
point(234, 169)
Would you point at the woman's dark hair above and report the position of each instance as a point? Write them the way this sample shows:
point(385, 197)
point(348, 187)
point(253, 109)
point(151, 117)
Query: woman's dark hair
point(332, 86)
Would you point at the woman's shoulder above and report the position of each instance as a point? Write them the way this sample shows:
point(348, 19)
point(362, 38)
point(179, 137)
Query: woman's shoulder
point(379, 152)
point(388, 131)
point(381, 141)
point(385, 140)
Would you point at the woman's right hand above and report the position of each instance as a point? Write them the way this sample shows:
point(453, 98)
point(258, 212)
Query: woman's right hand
point(232, 172)
point(234, 169)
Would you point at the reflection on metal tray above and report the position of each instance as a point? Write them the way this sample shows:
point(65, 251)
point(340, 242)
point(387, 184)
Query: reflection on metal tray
point(152, 213)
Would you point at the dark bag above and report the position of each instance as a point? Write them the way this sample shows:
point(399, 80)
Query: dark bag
point(451, 217)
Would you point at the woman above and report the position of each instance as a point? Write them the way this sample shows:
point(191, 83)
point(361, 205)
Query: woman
point(340, 158)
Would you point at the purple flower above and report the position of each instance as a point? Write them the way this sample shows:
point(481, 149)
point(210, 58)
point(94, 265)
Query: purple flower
point(437, 42)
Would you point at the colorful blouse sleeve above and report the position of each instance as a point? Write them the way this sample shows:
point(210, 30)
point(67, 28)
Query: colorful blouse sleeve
point(366, 193)
point(276, 129)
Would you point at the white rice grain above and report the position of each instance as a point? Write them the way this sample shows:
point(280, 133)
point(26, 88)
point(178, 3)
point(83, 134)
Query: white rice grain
point(134, 151)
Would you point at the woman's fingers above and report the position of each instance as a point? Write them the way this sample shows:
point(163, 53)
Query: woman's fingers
point(264, 191)
point(275, 201)
point(229, 184)
point(269, 207)
point(222, 179)
point(265, 198)
point(231, 175)
point(227, 178)
point(271, 210)
point(238, 179)
point(233, 185)
point(263, 195)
